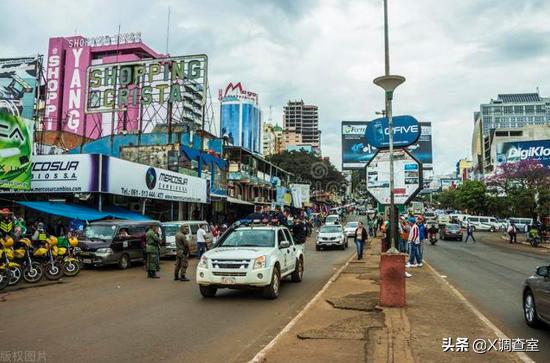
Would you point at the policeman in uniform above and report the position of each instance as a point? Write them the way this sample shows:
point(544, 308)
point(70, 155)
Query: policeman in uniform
point(6, 224)
point(152, 250)
point(182, 253)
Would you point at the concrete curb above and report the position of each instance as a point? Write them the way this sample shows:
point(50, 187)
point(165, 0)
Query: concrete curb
point(504, 238)
point(522, 356)
point(261, 355)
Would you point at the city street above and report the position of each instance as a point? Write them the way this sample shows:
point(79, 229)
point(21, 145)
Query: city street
point(109, 315)
point(490, 274)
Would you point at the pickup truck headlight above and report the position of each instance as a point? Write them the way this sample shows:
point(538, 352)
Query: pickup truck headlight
point(259, 262)
point(104, 251)
point(203, 262)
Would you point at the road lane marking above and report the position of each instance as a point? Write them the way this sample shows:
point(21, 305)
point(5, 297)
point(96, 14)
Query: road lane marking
point(521, 355)
point(261, 355)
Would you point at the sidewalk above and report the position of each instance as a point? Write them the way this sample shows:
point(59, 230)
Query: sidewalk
point(345, 324)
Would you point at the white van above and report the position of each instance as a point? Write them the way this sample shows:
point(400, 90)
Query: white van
point(520, 223)
point(173, 227)
point(482, 223)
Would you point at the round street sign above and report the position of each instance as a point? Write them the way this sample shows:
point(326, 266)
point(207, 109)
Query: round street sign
point(407, 176)
point(406, 131)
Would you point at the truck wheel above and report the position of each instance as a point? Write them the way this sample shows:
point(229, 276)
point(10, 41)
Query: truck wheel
point(208, 291)
point(272, 290)
point(298, 273)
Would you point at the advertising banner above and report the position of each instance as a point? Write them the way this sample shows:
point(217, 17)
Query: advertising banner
point(67, 173)
point(304, 192)
point(407, 177)
point(357, 150)
point(538, 150)
point(137, 180)
point(16, 141)
point(449, 183)
point(406, 131)
point(18, 83)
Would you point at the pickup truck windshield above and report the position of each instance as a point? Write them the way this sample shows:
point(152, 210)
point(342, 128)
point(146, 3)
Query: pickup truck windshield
point(249, 238)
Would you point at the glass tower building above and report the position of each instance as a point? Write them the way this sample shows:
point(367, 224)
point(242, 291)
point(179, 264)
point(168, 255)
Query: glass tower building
point(241, 123)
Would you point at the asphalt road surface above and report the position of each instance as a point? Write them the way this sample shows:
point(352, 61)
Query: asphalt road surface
point(110, 315)
point(490, 274)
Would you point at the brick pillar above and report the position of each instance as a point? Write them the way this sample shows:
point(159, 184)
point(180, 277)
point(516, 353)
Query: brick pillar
point(392, 280)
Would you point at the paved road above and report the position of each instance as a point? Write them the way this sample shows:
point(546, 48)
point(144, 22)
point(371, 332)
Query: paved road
point(108, 315)
point(490, 275)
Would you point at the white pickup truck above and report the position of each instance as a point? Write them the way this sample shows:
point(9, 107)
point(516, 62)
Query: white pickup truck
point(251, 256)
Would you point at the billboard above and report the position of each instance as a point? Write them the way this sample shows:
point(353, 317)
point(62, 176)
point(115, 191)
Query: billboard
point(538, 150)
point(18, 83)
point(407, 177)
point(406, 131)
point(150, 182)
point(357, 151)
point(16, 142)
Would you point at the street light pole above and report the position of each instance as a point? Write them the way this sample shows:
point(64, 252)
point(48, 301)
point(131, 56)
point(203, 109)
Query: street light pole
point(389, 83)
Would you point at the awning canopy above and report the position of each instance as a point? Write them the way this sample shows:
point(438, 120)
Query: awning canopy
point(83, 213)
point(238, 201)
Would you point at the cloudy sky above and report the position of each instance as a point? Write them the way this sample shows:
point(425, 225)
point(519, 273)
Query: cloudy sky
point(454, 54)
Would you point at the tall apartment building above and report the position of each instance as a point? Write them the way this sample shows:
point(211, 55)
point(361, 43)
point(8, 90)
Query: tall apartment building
point(303, 121)
point(273, 139)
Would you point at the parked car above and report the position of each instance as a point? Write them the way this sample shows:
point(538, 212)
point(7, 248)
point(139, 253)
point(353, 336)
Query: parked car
point(171, 228)
point(350, 228)
point(331, 236)
point(332, 219)
point(482, 223)
point(536, 297)
point(251, 256)
point(520, 223)
point(451, 231)
point(116, 242)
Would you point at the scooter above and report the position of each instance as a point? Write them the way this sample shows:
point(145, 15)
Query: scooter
point(433, 239)
point(45, 253)
point(70, 264)
point(534, 237)
point(14, 270)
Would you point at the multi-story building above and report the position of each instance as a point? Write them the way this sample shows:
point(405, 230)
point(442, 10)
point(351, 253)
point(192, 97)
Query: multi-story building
point(273, 139)
point(301, 123)
point(509, 118)
point(240, 118)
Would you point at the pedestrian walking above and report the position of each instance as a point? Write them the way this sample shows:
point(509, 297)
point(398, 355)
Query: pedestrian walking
point(361, 236)
point(423, 233)
point(526, 229)
point(469, 233)
point(201, 241)
point(152, 250)
point(512, 232)
point(182, 253)
point(415, 259)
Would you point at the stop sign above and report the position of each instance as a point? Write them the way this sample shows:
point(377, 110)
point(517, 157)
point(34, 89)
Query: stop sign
point(407, 176)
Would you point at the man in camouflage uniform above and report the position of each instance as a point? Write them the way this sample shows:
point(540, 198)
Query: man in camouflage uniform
point(182, 252)
point(152, 250)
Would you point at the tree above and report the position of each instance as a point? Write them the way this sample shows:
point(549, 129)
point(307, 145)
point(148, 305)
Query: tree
point(310, 168)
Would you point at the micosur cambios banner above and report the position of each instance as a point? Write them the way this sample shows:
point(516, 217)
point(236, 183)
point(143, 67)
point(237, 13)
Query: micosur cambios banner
point(16, 138)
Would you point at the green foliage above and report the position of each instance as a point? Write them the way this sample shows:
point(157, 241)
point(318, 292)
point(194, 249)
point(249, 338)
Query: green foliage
point(309, 168)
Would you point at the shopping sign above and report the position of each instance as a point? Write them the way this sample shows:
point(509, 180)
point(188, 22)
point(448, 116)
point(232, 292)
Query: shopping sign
point(406, 131)
point(407, 176)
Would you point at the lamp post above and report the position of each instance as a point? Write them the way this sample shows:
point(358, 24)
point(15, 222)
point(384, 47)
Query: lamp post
point(389, 83)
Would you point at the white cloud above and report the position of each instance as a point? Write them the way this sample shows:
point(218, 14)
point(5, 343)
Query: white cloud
point(454, 54)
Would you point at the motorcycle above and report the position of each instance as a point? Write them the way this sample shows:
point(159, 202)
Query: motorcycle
point(534, 237)
point(14, 271)
point(45, 253)
point(32, 270)
point(67, 257)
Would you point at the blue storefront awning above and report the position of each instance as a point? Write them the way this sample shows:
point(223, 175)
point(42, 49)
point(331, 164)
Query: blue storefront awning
point(75, 211)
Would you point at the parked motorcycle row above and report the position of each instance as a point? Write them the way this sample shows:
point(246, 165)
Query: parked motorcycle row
point(22, 261)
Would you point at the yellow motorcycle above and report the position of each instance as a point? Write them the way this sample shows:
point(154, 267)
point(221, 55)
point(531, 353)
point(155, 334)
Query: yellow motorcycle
point(67, 257)
point(32, 270)
point(45, 253)
point(10, 271)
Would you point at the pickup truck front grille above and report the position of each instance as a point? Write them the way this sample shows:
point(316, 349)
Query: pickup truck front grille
point(230, 264)
point(226, 274)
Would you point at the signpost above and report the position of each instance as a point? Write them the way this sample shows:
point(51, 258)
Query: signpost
point(406, 131)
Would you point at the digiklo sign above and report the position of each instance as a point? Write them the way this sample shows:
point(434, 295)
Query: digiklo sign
point(406, 131)
point(538, 150)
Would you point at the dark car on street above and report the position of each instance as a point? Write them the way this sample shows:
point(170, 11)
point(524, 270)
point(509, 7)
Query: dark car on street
point(451, 231)
point(536, 297)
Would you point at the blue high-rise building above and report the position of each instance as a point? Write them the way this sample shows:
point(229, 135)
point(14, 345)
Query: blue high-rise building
point(240, 117)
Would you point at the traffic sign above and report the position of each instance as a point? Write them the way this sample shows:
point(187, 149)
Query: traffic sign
point(406, 131)
point(407, 176)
